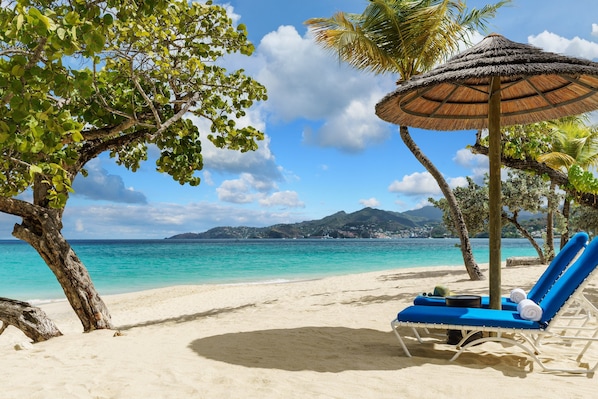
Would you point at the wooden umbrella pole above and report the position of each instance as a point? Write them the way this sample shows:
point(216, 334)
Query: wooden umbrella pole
point(494, 200)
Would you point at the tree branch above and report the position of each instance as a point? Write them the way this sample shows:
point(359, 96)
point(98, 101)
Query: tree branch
point(17, 207)
point(31, 320)
point(542, 169)
point(109, 131)
point(148, 101)
point(93, 148)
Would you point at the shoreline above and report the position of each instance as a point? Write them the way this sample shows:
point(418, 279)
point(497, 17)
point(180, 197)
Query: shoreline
point(237, 282)
point(327, 338)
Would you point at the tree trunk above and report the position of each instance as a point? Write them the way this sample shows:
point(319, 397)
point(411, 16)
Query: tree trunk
point(470, 265)
point(529, 237)
point(566, 213)
point(32, 321)
point(550, 224)
point(42, 232)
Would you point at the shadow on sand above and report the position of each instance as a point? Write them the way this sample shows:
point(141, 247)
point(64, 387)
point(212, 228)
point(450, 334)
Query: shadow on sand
point(337, 349)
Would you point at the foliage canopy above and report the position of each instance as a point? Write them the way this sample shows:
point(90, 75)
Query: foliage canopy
point(78, 78)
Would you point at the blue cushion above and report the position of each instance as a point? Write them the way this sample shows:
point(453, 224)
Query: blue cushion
point(560, 292)
point(423, 300)
point(542, 286)
point(557, 266)
point(478, 317)
point(570, 281)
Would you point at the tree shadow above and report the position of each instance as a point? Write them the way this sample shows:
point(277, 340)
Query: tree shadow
point(185, 318)
point(404, 275)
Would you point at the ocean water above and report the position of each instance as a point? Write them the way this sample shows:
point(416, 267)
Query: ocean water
point(119, 266)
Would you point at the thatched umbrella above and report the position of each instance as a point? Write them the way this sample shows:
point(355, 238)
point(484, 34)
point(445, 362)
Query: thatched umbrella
point(495, 83)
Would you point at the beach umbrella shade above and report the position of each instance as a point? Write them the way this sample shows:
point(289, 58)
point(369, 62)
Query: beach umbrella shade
point(493, 84)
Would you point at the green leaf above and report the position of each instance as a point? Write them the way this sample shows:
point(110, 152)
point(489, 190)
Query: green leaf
point(94, 41)
point(108, 19)
point(77, 137)
point(35, 14)
point(20, 20)
point(17, 71)
point(72, 18)
point(61, 32)
point(34, 169)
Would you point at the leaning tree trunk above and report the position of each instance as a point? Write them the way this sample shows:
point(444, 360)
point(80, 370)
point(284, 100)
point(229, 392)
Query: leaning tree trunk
point(43, 232)
point(472, 268)
point(528, 236)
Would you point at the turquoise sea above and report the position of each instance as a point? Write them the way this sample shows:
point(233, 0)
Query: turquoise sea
point(119, 266)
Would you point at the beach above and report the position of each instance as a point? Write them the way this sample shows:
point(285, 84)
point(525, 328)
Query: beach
point(321, 338)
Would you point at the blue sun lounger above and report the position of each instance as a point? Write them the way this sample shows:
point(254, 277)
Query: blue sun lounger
point(519, 332)
point(573, 247)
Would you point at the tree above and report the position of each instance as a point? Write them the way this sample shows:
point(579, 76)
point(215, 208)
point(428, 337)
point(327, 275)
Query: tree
point(524, 191)
point(574, 145)
point(81, 78)
point(585, 218)
point(473, 202)
point(407, 37)
point(520, 192)
point(562, 150)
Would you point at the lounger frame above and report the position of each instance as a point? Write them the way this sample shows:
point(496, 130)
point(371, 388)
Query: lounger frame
point(561, 328)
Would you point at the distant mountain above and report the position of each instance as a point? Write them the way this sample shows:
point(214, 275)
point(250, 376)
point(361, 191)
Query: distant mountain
point(366, 223)
point(427, 213)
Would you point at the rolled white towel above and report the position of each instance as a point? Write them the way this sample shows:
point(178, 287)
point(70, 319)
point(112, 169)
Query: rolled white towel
point(518, 295)
point(529, 310)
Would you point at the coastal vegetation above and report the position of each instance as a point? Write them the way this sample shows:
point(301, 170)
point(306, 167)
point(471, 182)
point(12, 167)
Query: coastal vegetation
point(521, 193)
point(551, 173)
point(563, 153)
point(408, 38)
point(83, 78)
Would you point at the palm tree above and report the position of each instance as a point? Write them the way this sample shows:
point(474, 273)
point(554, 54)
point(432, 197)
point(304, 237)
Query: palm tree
point(573, 143)
point(407, 37)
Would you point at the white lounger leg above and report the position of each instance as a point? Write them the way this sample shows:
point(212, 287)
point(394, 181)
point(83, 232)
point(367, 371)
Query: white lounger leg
point(394, 329)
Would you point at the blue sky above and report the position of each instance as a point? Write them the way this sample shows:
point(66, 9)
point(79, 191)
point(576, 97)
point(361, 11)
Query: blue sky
point(325, 149)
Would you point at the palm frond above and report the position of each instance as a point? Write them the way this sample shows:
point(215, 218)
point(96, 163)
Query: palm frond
point(343, 35)
point(402, 36)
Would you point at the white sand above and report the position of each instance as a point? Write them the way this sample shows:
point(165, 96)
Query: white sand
point(328, 338)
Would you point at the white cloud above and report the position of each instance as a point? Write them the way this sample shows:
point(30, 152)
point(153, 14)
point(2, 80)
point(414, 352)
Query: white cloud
point(237, 191)
point(305, 81)
point(577, 46)
point(594, 29)
point(422, 183)
point(418, 183)
point(243, 190)
point(161, 220)
point(476, 162)
point(207, 178)
point(370, 202)
point(301, 78)
point(283, 199)
point(247, 189)
point(353, 129)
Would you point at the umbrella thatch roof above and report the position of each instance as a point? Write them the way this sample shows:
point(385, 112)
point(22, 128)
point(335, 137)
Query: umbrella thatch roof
point(535, 86)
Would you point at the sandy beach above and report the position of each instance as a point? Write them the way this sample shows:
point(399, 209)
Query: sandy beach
point(327, 338)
